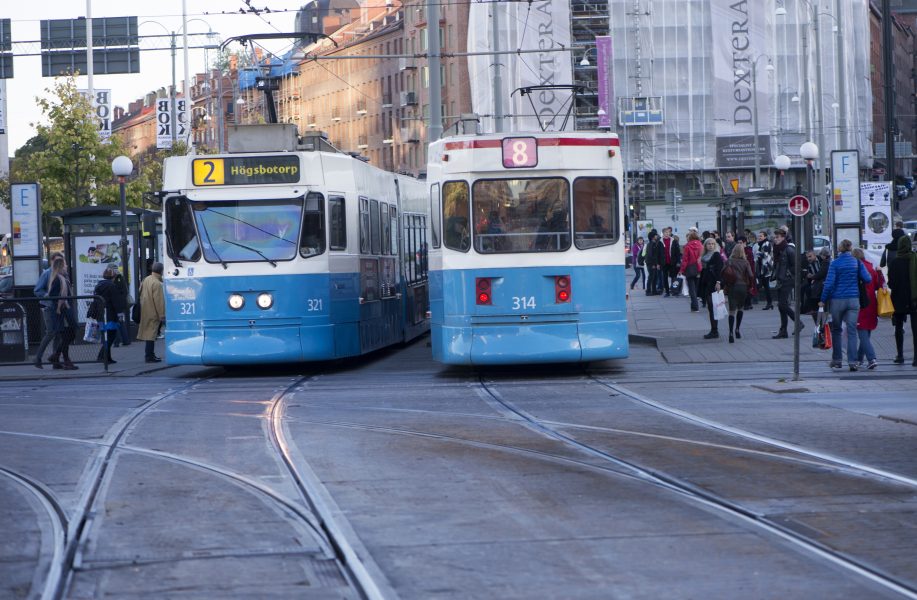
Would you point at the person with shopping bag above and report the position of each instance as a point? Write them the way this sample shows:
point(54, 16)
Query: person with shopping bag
point(842, 290)
point(711, 268)
point(868, 318)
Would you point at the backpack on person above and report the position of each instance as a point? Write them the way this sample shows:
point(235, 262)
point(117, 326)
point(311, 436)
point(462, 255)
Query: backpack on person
point(96, 310)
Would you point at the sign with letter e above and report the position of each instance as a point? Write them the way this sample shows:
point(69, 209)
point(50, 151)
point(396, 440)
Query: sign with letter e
point(25, 210)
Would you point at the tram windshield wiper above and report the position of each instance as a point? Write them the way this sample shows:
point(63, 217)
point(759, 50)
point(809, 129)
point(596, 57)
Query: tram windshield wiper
point(255, 250)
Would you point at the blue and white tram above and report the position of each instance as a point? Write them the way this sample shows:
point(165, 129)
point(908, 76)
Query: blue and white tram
point(292, 256)
point(527, 252)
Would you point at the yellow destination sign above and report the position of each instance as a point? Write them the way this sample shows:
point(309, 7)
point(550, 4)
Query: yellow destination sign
point(245, 170)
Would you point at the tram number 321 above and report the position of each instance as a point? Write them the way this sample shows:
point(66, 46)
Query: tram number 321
point(523, 302)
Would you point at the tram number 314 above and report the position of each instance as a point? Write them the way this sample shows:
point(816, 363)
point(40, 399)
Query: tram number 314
point(523, 302)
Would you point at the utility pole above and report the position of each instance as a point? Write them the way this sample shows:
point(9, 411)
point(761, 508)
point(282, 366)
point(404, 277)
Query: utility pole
point(172, 122)
point(434, 49)
point(843, 143)
point(498, 78)
point(187, 86)
point(754, 103)
point(888, 70)
point(820, 123)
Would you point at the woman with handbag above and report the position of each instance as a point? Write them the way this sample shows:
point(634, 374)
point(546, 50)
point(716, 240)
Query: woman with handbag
point(902, 279)
point(868, 318)
point(711, 268)
point(115, 304)
point(737, 279)
point(691, 264)
point(842, 289)
point(63, 317)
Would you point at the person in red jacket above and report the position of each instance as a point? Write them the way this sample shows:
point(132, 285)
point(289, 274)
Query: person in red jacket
point(868, 318)
point(691, 265)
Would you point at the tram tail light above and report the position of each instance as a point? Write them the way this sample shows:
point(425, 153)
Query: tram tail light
point(562, 291)
point(482, 291)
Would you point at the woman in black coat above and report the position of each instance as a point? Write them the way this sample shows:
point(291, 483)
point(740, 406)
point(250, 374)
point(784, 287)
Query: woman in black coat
point(711, 270)
point(115, 304)
point(902, 272)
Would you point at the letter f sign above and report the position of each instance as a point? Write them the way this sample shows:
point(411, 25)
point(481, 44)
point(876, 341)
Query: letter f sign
point(845, 162)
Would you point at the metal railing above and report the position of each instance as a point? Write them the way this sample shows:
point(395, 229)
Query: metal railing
point(27, 326)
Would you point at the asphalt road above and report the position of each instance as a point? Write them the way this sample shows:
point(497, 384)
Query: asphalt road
point(392, 476)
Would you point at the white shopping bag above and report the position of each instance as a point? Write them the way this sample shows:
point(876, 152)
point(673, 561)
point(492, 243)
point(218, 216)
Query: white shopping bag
point(719, 305)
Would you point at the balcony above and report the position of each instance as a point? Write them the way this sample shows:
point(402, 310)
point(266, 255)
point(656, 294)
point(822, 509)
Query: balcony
point(406, 64)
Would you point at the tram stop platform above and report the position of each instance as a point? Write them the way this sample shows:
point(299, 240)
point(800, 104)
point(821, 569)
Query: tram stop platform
point(129, 360)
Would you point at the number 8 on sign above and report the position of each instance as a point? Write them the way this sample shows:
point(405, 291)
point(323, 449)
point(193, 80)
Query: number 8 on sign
point(520, 153)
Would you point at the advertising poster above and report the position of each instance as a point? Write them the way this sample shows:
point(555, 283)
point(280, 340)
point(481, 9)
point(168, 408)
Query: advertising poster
point(93, 254)
point(875, 199)
point(603, 72)
point(164, 125)
point(643, 229)
point(25, 212)
point(845, 186)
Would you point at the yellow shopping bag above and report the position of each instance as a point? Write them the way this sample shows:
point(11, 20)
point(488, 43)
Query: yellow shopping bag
point(884, 306)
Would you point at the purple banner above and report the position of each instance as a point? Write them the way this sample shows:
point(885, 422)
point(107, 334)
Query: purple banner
point(603, 74)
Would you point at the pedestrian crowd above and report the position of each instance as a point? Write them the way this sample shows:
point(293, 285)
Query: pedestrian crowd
point(728, 275)
point(110, 311)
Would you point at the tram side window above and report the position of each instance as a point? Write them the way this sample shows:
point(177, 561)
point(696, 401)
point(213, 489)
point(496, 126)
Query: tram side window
point(364, 225)
point(435, 213)
point(595, 212)
point(374, 236)
point(386, 230)
point(337, 236)
point(415, 248)
point(312, 242)
point(182, 236)
point(456, 209)
point(393, 229)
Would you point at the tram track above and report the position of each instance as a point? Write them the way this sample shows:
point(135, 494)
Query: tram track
point(311, 509)
point(357, 563)
point(723, 505)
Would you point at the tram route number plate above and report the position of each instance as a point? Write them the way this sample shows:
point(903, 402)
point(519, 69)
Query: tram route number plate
point(519, 153)
point(245, 170)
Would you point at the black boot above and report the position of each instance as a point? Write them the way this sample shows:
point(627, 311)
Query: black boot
point(739, 324)
point(714, 333)
point(899, 346)
point(732, 322)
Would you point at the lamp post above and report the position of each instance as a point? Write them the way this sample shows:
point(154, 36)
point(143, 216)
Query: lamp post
point(122, 167)
point(809, 152)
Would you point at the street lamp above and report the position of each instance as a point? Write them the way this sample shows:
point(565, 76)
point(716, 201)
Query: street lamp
point(809, 152)
point(122, 167)
point(754, 104)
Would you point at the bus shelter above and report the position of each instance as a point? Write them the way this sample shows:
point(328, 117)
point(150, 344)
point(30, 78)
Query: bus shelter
point(92, 242)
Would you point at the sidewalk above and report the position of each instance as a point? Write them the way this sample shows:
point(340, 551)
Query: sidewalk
point(678, 333)
point(130, 360)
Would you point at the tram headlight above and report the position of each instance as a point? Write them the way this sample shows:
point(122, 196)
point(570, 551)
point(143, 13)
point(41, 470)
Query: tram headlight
point(236, 301)
point(265, 301)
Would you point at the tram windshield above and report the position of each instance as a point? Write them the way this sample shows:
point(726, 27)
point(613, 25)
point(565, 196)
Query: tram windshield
point(521, 215)
point(248, 231)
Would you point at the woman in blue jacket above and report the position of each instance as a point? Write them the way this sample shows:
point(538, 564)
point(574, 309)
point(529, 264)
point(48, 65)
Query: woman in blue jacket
point(842, 289)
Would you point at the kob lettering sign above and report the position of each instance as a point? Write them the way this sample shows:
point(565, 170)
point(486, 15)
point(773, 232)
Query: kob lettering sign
point(166, 130)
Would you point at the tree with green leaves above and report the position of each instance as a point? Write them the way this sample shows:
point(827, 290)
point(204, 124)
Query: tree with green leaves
point(69, 159)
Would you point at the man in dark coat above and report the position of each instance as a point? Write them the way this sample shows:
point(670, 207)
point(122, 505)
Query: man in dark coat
point(784, 268)
point(902, 281)
point(891, 248)
point(654, 262)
